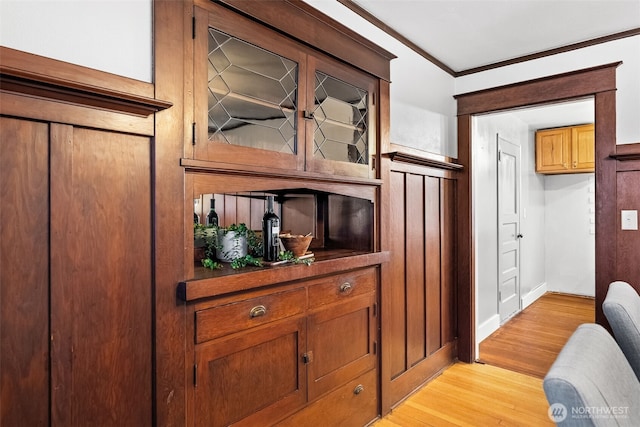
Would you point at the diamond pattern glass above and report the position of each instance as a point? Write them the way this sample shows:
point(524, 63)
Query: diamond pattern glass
point(251, 95)
point(340, 121)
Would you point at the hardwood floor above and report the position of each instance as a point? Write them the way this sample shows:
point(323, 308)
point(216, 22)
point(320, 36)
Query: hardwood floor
point(474, 395)
point(531, 340)
point(506, 388)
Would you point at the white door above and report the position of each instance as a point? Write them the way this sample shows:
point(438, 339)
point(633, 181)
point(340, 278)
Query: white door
point(508, 229)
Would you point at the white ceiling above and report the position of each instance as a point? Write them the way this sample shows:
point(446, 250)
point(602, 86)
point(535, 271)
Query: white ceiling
point(464, 34)
point(556, 115)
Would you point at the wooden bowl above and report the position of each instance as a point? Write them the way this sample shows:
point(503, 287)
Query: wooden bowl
point(297, 244)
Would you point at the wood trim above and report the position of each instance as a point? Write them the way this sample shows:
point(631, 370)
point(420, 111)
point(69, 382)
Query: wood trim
point(626, 152)
point(550, 52)
point(299, 20)
point(172, 57)
point(20, 72)
point(194, 165)
point(192, 290)
point(465, 245)
point(397, 156)
point(555, 88)
point(598, 82)
point(606, 198)
point(350, 4)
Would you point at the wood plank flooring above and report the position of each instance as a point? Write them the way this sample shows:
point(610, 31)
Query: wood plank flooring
point(505, 390)
point(474, 395)
point(531, 340)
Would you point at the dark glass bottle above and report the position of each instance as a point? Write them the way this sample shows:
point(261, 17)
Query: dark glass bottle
point(270, 233)
point(196, 217)
point(212, 217)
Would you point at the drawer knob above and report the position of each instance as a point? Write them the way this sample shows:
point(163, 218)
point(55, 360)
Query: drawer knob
point(345, 287)
point(359, 389)
point(257, 311)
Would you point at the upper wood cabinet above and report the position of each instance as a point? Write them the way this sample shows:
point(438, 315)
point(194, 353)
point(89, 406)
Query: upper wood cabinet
point(565, 150)
point(264, 100)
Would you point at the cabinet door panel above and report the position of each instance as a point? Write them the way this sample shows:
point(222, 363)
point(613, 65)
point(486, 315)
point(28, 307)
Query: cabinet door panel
point(341, 134)
point(341, 343)
point(247, 81)
point(553, 150)
point(24, 273)
point(252, 379)
point(353, 404)
point(583, 147)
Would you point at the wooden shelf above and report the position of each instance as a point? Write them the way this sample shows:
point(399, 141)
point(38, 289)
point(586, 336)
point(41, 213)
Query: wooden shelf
point(397, 156)
point(208, 283)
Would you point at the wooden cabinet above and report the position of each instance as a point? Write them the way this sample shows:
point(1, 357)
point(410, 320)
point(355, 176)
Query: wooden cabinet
point(264, 355)
point(565, 150)
point(262, 99)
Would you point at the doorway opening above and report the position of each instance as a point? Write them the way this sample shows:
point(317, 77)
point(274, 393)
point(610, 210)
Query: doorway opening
point(599, 82)
point(534, 232)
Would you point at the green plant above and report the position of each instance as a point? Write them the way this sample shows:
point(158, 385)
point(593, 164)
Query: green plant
point(209, 263)
point(254, 244)
point(288, 256)
point(244, 261)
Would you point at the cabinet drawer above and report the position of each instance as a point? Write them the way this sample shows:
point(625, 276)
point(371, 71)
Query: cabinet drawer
point(341, 287)
point(354, 404)
point(237, 316)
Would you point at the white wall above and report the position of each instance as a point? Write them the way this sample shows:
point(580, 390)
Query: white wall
point(532, 246)
point(570, 233)
point(108, 35)
point(626, 50)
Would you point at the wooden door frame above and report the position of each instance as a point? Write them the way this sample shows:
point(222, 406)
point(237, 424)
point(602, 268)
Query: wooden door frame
point(597, 82)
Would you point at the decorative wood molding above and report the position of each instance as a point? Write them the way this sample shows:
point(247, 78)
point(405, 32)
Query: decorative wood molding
point(397, 156)
point(301, 21)
point(20, 72)
point(194, 165)
point(626, 152)
point(625, 157)
point(559, 87)
point(350, 4)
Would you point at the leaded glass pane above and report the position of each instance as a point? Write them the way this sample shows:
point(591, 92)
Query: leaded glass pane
point(341, 121)
point(251, 96)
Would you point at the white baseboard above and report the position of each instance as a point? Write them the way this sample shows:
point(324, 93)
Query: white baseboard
point(488, 327)
point(536, 293)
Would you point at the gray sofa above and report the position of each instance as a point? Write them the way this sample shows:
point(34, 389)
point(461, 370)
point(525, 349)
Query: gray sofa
point(621, 307)
point(591, 382)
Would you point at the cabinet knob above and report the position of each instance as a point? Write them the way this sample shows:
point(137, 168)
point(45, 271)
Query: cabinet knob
point(575, 164)
point(345, 287)
point(359, 389)
point(257, 311)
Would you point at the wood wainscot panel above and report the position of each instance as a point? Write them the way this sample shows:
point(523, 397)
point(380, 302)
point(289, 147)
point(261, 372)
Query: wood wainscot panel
point(85, 172)
point(628, 247)
point(24, 273)
point(418, 301)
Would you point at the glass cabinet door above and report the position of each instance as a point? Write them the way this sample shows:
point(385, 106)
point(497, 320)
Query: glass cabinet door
point(341, 137)
point(264, 100)
point(248, 111)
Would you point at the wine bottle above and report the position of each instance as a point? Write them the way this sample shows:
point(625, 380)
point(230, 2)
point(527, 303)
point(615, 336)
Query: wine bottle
point(212, 218)
point(196, 217)
point(270, 233)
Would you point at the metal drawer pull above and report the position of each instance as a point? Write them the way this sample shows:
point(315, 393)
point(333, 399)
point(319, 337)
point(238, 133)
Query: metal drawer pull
point(345, 287)
point(359, 389)
point(257, 311)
